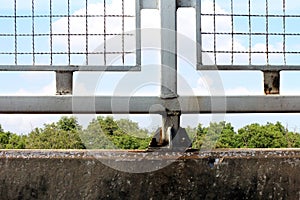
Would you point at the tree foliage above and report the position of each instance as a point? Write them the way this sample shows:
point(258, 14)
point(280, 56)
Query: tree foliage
point(262, 136)
point(216, 135)
point(10, 140)
point(61, 135)
point(108, 133)
point(222, 135)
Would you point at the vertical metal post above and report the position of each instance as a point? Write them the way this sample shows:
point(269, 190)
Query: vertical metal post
point(138, 32)
point(168, 49)
point(198, 34)
point(168, 11)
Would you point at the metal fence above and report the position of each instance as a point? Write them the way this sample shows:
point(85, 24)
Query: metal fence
point(265, 22)
point(53, 33)
point(214, 27)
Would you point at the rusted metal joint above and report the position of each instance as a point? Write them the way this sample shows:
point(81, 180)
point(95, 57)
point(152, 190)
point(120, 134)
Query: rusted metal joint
point(171, 140)
point(271, 82)
point(64, 82)
point(159, 139)
point(173, 113)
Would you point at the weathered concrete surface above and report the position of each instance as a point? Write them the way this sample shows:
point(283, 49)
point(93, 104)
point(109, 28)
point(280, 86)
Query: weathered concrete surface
point(228, 174)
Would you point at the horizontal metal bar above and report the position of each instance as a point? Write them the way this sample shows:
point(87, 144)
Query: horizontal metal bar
point(247, 52)
point(146, 4)
point(66, 68)
point(146, 105)
point(250, 15)
point(122, 68)
point(252, 33)
point(68, 53)
point(61, 16)
point(186, 3)
point(250, 67)
point(63, 34)
point(153, 4)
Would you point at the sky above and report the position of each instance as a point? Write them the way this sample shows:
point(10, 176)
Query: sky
point(191, 81)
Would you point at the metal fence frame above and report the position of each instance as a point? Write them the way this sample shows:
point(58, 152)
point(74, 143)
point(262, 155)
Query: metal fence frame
point(172, 106)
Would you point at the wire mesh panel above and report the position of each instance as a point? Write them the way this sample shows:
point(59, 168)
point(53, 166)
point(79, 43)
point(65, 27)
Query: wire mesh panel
point(67, 32)
point(250, 32)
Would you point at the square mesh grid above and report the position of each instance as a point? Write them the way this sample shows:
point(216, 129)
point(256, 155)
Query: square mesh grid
point(250, 32)
point(67, 32)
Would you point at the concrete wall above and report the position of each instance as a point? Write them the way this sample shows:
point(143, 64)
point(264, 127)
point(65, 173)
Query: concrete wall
point(243, 174)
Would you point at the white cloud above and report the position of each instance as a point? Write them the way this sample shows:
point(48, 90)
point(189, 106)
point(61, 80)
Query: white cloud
point(47, 90)
point(95, 25)
point(237, 91)
point(23, 124)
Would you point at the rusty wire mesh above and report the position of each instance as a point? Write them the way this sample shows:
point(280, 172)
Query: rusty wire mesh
point(65, 32)
point(251, 32)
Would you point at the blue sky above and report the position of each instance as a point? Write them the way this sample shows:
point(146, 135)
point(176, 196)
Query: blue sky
point(191, 82)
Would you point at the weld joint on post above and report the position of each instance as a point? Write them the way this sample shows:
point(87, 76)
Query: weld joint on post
point(171, 113)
